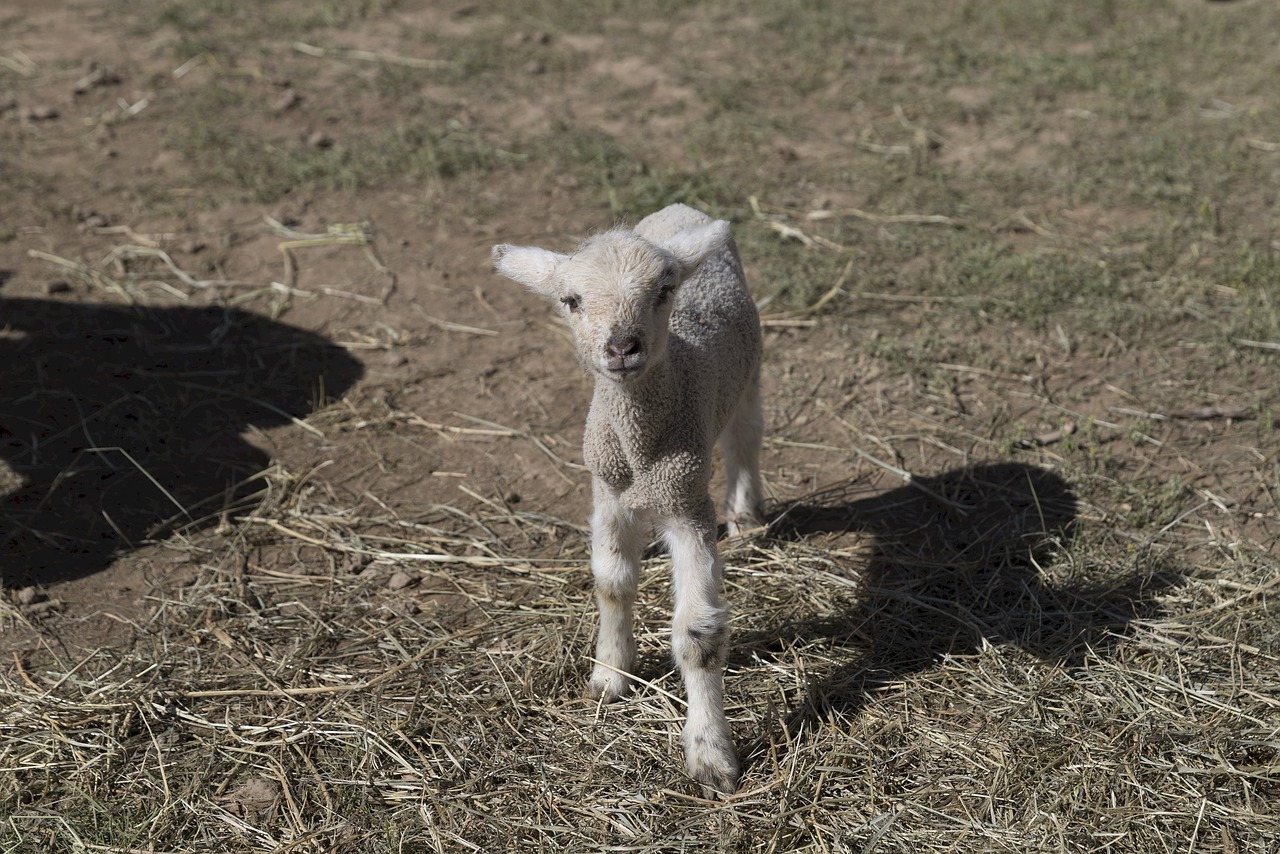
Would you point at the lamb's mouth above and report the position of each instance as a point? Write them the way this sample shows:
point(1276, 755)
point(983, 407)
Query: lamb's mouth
point(624, 367)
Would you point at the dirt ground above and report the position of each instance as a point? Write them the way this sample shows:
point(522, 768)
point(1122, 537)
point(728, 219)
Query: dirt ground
point(413, 330)
point(208, 365)
point(416, 329)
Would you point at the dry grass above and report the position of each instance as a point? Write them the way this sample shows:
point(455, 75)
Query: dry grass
point(1001, 679)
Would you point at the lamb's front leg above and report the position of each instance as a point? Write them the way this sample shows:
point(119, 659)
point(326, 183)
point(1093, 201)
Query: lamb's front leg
point(700, 640)
point(617, 537)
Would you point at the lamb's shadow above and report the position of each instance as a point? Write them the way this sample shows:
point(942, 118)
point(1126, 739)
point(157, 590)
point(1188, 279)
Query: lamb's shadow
point(972, 555)
point(120, 424)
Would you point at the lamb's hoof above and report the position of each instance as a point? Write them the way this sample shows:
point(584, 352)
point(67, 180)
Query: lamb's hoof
point(717, 781)
point(608, 685)
point(713, 764)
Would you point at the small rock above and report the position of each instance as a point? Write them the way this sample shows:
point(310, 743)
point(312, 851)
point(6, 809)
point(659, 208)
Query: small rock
point(320, 139)
point(392, 359)
point(8, 101)
point(256, 798)
point(42, 113)
point(403, 607)
point(356, 564)
point(57, 286)
point(287, 101)
point(192, 246)
point(93, 221)
point(96, 76)
point(28, 596)
point(400, 581)
point(1051, 436)
point(523, 38)
point(534, 67)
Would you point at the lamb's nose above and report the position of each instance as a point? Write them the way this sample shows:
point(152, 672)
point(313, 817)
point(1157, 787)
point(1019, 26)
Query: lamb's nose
point(623, 347)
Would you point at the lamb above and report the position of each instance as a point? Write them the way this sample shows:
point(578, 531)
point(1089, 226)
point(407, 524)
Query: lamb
point(662, 318)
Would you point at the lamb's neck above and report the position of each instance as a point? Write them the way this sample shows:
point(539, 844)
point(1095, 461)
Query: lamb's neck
point(643, 411)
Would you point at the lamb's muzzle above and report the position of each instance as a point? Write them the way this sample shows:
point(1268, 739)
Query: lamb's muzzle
point(662, 312)
point(625, 356)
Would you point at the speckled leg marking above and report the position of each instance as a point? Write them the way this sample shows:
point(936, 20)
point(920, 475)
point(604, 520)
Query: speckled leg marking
point(740, 447)
point(617, 537)
point(699, 638)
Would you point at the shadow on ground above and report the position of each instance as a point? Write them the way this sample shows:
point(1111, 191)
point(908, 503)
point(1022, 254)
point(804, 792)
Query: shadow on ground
point(958, 559)
point(120, 424)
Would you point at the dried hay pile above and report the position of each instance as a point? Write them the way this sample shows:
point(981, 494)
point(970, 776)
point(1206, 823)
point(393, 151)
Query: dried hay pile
point(963, 666)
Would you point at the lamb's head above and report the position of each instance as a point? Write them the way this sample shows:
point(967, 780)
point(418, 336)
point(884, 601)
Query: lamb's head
point(616, 291)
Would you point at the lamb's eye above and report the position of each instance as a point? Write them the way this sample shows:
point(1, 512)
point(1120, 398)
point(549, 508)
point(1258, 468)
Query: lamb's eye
point(573, 303)
point(666, 285)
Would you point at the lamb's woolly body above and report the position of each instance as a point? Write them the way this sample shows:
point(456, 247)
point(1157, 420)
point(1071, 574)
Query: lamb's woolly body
point(662, 317)
point(651, 441)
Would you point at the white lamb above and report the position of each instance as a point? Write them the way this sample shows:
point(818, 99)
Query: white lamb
point(662, 316)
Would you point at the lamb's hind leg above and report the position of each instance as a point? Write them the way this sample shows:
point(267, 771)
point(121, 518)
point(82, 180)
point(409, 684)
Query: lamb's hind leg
point(617, 537)
point(700, 640)
point(740, 447)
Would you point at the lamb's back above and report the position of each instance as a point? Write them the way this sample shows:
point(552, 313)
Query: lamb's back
point(715, 328)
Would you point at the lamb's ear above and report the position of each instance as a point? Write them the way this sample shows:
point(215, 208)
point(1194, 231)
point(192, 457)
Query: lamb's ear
point(528, 265)
point(697, 243)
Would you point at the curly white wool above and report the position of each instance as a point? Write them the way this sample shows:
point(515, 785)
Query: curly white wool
point(662, 316)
